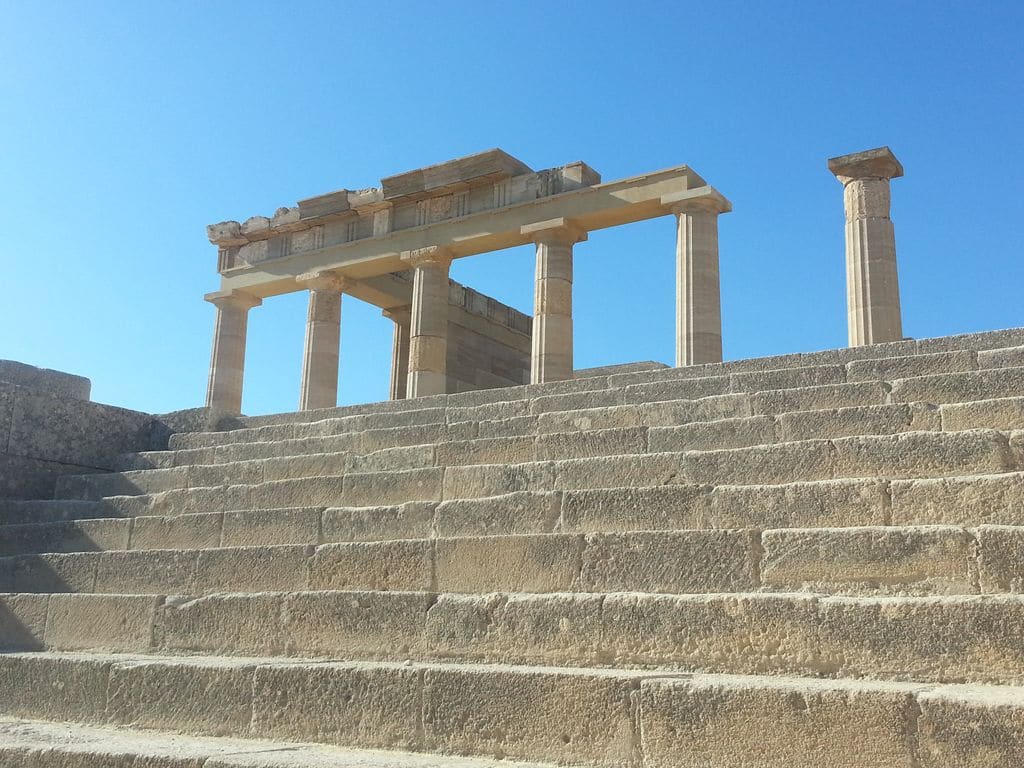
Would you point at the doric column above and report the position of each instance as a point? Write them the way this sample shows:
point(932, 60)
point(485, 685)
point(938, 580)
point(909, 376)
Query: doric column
point(872, 285)
point(319, 386)
point(551, 357)
point(698, 292)
point(227, 360)
point(428, 333)
point(402, 317)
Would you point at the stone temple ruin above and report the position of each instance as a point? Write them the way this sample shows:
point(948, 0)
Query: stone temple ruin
point(785, 562)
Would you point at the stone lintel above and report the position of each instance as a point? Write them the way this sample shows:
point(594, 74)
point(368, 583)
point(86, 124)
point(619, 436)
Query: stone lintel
point(878, 163)
point(704, 199)
point(325, 280)
point(240, 299)
point(432, 254)
point(560, 228)
point(463, 172)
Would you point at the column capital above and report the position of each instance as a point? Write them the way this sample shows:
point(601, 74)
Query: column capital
point(705, 199)
point(878, 163)
point(438, 255)
point(401, 314)
point(325, 280)
point(561, 231)
point(233, 300)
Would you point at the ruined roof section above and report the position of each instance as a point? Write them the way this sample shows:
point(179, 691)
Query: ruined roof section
point(462, 173)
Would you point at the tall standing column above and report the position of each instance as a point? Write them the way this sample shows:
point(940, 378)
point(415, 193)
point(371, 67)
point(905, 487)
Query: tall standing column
point(428, 333)
point(319, 386)
point(872, 284)
point(698, 291)
point(227, 360)
point(402, 317)
point(552, 351)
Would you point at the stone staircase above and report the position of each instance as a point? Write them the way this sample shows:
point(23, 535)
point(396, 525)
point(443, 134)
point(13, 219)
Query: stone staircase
point(806, 560)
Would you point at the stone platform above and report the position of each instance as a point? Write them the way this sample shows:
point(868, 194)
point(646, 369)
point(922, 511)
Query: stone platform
point(796, 561)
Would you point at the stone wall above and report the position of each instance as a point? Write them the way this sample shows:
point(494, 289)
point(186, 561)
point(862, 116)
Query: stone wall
point(488, 342)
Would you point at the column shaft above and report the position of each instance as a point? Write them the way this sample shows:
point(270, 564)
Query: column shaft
point(227, 359)
point(872, 282)
point(428, 342)
point(698, 293)
point(319, 387)
point(399, 351)
point(552, 353)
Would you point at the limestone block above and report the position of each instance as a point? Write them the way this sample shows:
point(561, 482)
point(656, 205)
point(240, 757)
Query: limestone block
point(923, 454)
point(70, 536)
point(97, 486)
point(801, 504)
point(618, 471)
point(361, 705)
point(203, 696)
point(235, 473)
point(193, 500)
point(820, 398)
point(424, 434)
point(499, 411)
point(986, 340)
point(74, 431)
point(930, 559)
point(511, 513)
point(1002, 413)
point(386, 488)
point(937, 639)
point(576, 401)
point(118, 623)
point(482, 480)
point(46, 687)
point(516, 426)
point(628, 509)
point(724, 433)
point(721, 722)
point(862, 420)
point(966, 727)
point(527, 563)
point(669, 561)
point(612, 417)
point(1001, 558)
point(590, 444)
point(271, 527)
point(904, 366)
point(676, 389)
point(45, 380)
point(74, 572)
point(672, 413)
point(388, 565)
point(732, 633)
point(224, 624)
point(996, 499)
point(23, 478)
point(779, 463)
point(154, 572)
point(253, 569)
point(497, 450)
point(22, 622)
point(1006, 357)
point(304, 492)
point(206, 419)
point(130, 462)
point(412, 520)
point(787, 378)
point(393, 459)
point(564, 717)
point(516, 628)
point(357, 625)
point(960, 387)
point(190, 531)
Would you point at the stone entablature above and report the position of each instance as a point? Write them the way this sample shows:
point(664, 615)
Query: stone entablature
point(474, 184)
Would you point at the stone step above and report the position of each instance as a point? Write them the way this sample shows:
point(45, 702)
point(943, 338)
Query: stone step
point(42, 744)
point(607, 718)
point(937, 382)
point(952, 639)
point(18, 511)
point(867, 560)
point(618, 454)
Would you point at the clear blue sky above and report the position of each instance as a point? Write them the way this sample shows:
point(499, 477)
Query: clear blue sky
point(125, 128)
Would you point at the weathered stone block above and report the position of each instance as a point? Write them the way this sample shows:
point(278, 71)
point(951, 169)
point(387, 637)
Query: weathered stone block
point(996, 499)
point(70, 536)
point(960, 387)
point(253, 569)
point(481, 480)
point(190, 531)
point(388, 565)
point(787, 378)
point(154, 572)
point(224, 624)
point(117, 623)
point(923, 454)
point(780, 463)
point(1001, 558)
point(863, 420)
point(377, 489)
point(412, 520)
point(540, 563)
point(22, 622)
point(47, 687)
point(618, 471)
point(271, 527)
point(498, 450)
point(1003, 413)
point(724, 433)
point(512, 513)
point(305, 492)
point(967, 727)
point(819, 398)
point(905, 366)
point(73, 572)
point(591, 444)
